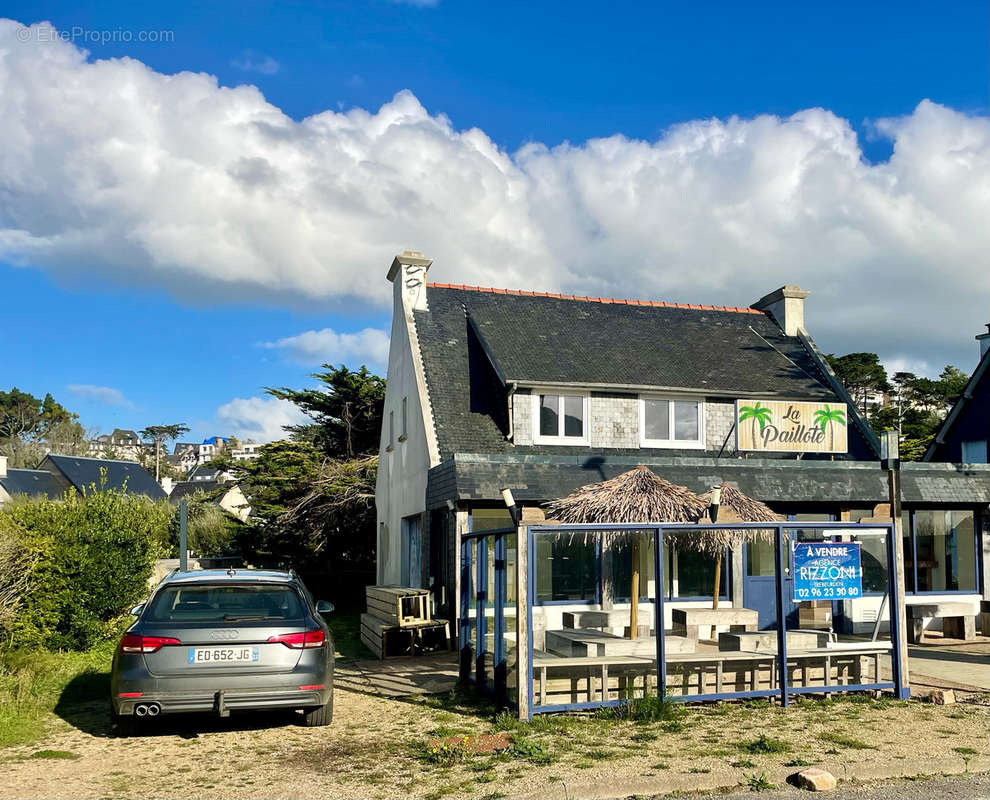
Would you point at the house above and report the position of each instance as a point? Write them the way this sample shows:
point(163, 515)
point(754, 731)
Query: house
point(965, 433)
point(200, 453)
point(83, 474)
point(125, 444)
point(228, 495)
point(543, 393)
point(30, 482)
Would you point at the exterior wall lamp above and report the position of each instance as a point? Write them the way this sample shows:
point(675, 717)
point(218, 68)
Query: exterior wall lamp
point(715, 503)
point(510, 504)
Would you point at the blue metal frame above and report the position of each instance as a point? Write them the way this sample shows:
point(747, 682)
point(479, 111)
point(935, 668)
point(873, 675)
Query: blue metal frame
point(782, 690)
point(499, 665)
point(481, 622)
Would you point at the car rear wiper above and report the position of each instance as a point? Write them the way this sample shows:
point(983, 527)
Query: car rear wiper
point(239, 618)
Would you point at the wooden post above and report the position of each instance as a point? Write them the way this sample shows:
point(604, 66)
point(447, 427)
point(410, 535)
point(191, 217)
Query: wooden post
point(634, 590)
point(522, 623)
point(718, 585)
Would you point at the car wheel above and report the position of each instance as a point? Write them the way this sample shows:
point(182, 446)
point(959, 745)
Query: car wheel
point(320, 716)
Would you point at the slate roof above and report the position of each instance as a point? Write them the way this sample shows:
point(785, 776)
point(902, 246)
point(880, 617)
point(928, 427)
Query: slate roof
point(189, 488)
point(473, 341)
point(32, 482)
point(477, 477)
point(972, 407)
point(82, 473)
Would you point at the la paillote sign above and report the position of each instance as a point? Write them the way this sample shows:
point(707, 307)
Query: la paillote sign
point(783, 426)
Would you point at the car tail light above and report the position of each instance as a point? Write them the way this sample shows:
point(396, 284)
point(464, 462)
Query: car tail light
point(301, 641)
point(135, 643)
point(129, 694)
point(313, 688)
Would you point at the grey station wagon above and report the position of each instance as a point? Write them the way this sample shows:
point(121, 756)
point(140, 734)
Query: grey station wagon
point(214, 640)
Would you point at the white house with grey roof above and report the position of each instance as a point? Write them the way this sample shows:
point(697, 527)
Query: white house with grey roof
point(543, 393)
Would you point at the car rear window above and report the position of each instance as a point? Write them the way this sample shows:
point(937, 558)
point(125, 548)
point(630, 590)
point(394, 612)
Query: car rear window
point(224, 603)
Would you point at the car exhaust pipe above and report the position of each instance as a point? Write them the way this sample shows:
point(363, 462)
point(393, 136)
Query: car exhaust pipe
point(154, 709)
point(140, 710)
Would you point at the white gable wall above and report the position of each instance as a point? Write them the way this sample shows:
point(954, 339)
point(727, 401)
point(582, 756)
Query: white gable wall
point(403, 465)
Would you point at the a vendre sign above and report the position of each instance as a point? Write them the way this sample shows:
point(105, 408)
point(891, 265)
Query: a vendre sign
point(783, 426)
point(827, 571)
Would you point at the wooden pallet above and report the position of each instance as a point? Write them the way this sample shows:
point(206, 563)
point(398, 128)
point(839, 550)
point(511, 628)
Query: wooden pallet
point(398, 605)
point(384, 639)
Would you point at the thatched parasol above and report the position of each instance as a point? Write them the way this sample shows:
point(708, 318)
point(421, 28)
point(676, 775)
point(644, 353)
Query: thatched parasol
point(639, 495)
point(734, 506)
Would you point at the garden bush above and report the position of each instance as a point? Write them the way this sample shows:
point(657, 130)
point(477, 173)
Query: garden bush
point(88, 561)
point(212, 531)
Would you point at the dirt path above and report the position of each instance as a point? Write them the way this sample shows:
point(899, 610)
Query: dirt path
point(375, 749)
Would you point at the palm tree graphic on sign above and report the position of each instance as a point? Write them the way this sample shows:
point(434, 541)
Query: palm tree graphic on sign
point(825, 417)
point(759, 414)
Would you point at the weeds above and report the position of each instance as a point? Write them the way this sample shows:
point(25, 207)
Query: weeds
point(531, 750)
point(767, 744)
point(759, 783)
point(644, 709)
point(842, 740)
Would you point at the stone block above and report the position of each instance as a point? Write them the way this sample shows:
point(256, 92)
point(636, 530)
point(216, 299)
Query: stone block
point(943, 697)
point(815, 780)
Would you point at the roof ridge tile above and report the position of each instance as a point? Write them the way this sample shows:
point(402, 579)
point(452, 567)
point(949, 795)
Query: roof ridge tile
point(603, 300)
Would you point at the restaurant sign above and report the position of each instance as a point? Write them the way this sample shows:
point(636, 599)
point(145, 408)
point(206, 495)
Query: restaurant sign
point(827, 571)
point(782, 426)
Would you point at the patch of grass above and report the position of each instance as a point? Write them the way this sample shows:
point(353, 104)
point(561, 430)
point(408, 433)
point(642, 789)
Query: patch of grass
point(744, 763)
point(644, 736)
point(842, 740)
point(766, 744)
point(35, 683)
point(759, 783)
point(798, 762)
point(660, 765)
point(533, 751)
point(53, 754)
point(698, 771)
point(599, 754)
point(965, 751)
point(584, 763)
point(444, 754)
point(644, 709)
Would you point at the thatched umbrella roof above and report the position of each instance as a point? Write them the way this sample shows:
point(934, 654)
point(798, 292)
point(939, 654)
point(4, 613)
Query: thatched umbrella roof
point(734, 506)
point(639, 495)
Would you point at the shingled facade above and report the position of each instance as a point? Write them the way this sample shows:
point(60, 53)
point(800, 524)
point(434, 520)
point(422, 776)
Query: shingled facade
point(543, 393)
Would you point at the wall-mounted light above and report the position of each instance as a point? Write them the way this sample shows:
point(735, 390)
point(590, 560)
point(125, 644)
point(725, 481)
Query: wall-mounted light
point(716, 501)
point(510, 504)
point(451, 505)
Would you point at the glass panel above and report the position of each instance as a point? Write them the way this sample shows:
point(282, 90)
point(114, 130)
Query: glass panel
point(974, 452)
point(695, 573)
point(615, 648)
point(656, 419)
point(946, 551)
point(566, 568)
point(909, 563)
point(490, 632)
point(549, 421)
point(686, 420)
point(760, 559)
point(490, 519)
point(511, 620)
point(574, 416)
point(468, 608)
point(619, 556)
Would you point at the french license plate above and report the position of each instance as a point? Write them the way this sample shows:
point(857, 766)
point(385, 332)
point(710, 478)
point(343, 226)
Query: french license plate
point(222, 655)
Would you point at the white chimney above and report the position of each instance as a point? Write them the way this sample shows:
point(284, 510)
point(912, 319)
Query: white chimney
point(167, 485)
point(984, 340)
point(786, 306)
point(410, 269)
point(3, 466)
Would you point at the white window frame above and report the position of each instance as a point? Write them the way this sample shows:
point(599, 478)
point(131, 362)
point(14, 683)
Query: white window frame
point(573, 441)
point(672, 444)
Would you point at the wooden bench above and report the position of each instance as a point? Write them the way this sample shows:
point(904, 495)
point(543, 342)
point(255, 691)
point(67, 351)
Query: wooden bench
point(985, 617)
point(689, 621)
point(561, 680)
point(958, 620)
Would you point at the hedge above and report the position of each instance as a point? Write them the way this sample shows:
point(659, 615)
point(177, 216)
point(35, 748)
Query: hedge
point(88, 561)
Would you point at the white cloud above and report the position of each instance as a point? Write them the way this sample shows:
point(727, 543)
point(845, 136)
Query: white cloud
point(326, 346)
point(250, 61)
point(260, 418)
point(101, 394)
point(112, 172)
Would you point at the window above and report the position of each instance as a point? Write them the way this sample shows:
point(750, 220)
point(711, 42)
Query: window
point(561, 419)
point(945, 559)
point(666, 422)
point(974, 452)
point(391, 431)
point(405, 430)
point(566, 569)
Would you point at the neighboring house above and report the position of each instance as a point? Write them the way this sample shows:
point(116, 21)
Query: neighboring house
point(229, 496)
point(205, 474)
point(82, 474)
point(965, 434)
point(30, 482)
point(543, 393)
point(200, 453)
point(125, 444)
point(246, 451)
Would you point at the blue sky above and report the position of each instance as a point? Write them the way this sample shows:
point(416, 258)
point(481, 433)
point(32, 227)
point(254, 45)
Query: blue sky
point(178, 344)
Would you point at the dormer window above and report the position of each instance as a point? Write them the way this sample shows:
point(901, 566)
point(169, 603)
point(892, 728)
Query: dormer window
point(560, 418)
point(671, 422)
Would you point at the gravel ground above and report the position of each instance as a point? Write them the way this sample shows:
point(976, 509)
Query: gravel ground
point(375, 749)
point(961, 787)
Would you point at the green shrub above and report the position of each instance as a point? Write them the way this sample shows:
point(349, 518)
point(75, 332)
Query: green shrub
point(91, 558)
point(766, 744)
point(644, 709)
point(212, 532)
